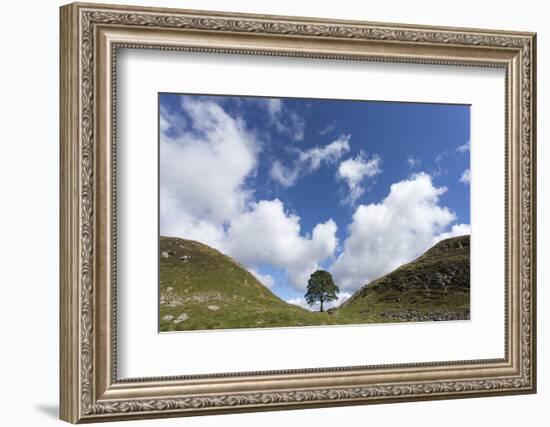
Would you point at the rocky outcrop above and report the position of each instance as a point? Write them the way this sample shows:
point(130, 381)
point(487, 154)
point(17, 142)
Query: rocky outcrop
point(433, 287)
point(434, 316)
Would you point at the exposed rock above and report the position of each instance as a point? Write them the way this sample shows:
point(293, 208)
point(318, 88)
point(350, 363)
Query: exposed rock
point(213, 307)
point(185, 258)
point(164, 254)
point(434, 316)
point(181, 318)
point(169, 299)
point(212, 296)
point(168, 317)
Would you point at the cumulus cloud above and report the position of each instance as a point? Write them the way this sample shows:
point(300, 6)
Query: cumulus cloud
point(281, 243)
point(465, 177)
point(265, 279)
point(177, 221)
point(204, 196)
point(354, 171)
point(308, 161)
point(301, 302)
point(384, 235)
point(217, 142)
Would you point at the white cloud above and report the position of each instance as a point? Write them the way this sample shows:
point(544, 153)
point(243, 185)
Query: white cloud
point(164, 124)
point(439, 169)
point(177, 221)
point(204, 170)
point(439, 158)
point(284, 120)
point(308, 161)
point(265, 279)
point(330, 153)
point(301, 302)
point(268, 234)
point(413, 161)
point(456, 230)
point(274, 106)
point(354, 170)
point(385, 235)
point(204, 197)
point(327, 129)
point(465, 177)
point(286, 176)
point(171, 121)
point(464, 147)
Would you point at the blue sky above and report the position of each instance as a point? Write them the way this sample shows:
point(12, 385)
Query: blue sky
point(287, 185)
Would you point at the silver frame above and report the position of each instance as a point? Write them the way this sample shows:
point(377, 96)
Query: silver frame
point(90, 37)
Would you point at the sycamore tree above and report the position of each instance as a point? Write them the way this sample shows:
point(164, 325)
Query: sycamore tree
point(321, 288)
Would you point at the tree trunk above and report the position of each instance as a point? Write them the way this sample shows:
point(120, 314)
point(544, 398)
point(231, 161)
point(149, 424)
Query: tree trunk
point(321, 305)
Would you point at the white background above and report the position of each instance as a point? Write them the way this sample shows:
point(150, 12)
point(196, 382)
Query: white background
point(141, 347)
point(29, 173)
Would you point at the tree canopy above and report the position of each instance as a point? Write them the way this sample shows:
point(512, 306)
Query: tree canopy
point(321, 288)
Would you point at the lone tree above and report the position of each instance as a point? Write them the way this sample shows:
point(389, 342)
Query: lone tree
point(321, 287)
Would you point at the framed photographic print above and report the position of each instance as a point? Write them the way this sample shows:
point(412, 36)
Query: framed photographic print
point(266, 212)
point(262, 178)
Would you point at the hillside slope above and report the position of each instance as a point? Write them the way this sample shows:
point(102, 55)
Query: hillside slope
point(435, 286)
point(200, 288)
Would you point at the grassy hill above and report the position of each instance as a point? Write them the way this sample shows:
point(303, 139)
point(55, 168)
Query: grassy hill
point(200, 288)
point(435, 286)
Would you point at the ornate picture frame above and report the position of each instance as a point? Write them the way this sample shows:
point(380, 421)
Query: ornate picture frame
point(90, 37)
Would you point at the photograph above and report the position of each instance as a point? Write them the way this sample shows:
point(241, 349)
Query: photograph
point(293, 212)
point(268, 212)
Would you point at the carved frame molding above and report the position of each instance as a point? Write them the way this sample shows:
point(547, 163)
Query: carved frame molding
point(90, 36)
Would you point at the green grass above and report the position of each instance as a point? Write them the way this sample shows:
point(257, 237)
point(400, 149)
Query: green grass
point(212, 291)
point(194, 276)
